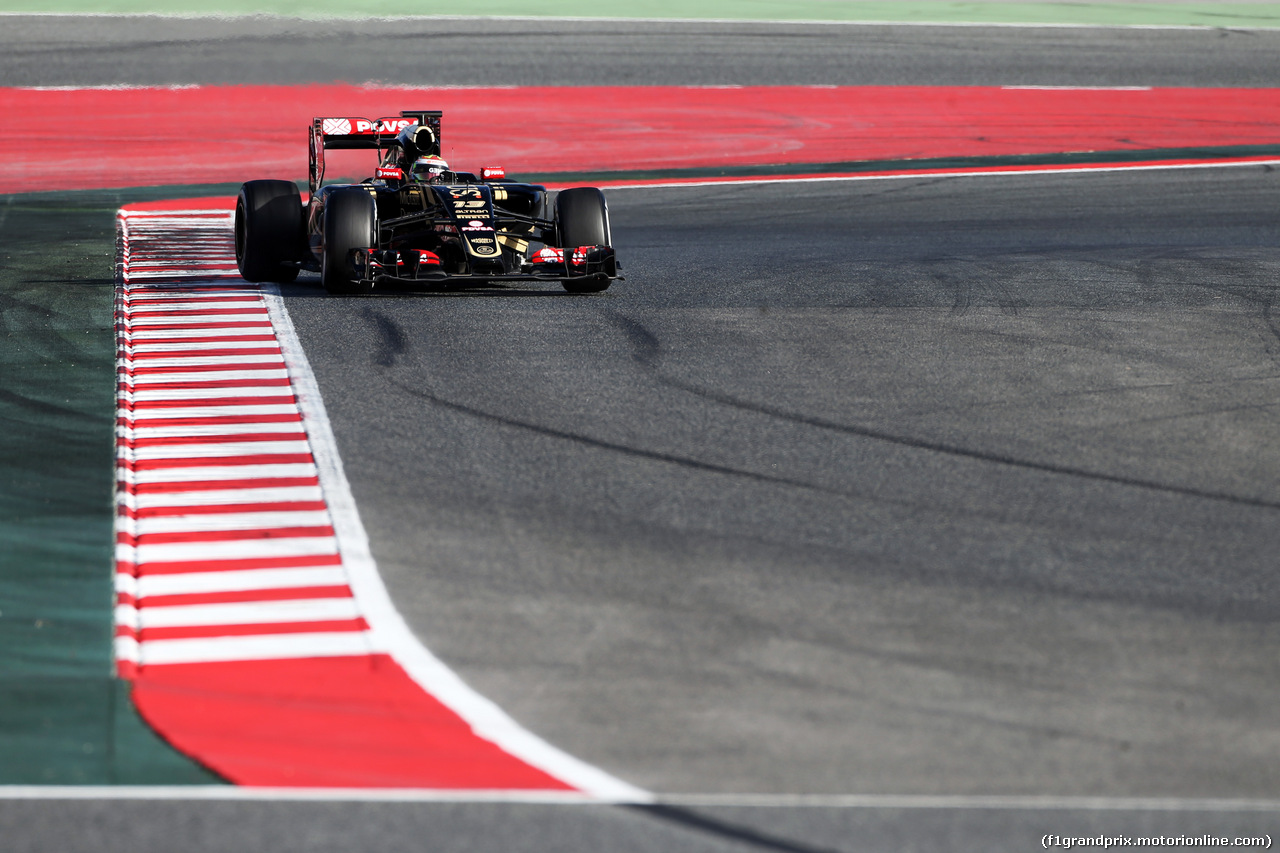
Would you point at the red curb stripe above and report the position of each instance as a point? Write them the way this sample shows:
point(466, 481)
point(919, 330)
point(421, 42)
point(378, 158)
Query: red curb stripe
point(285, 594)
point(217, 461)
point(197, 631)
point(155, 370)
point(223, 509)
point(200, 353)
point(225, 535)
point(211, 420)
point(169, 327)
point(233, 565)
point(223, 485)
point(134, 315)
point(198, 384)
point(258, 723)
point(210, 402)
point(222, 438)
point(203, 339)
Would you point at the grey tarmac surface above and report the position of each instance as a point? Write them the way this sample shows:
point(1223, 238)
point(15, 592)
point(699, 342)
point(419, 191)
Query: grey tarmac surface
point(64, 51)
point(933, 486)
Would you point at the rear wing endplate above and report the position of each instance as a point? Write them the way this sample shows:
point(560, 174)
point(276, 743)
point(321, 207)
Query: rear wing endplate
point(348, 132)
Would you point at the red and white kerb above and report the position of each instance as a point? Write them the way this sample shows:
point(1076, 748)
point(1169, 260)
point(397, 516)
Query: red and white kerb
point(250, 617)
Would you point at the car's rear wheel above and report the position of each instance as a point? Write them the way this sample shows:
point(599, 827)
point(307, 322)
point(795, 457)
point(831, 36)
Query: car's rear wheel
point(269, 231)
point(350, 222)
point(582, 219)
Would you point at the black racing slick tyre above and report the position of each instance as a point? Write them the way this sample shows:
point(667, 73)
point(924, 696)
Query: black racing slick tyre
point(269, 231)
point(350, 222)
point(582, 219)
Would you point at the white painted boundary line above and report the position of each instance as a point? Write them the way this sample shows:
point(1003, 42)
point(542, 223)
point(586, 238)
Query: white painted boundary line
point(587, 19)
point(560, 798)
point(924, 175)
point(388, 629)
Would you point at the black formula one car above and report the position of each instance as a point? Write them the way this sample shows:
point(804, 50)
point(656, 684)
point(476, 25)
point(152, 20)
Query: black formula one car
point(416, 223)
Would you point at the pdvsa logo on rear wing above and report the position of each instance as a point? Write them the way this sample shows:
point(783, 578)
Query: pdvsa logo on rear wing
point(363, 126)
point(377, 134)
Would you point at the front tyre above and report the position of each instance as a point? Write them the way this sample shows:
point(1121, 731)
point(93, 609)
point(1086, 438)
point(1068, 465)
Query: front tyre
point(582, 219)
point(269, 231)
point(350, 222)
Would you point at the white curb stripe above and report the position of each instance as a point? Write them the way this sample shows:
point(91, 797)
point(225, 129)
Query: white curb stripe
point(245, 580)
point(219, 449)
point(213, 472)
point(256, 647)
point(160, 334)
point(228, 549)
point(239, 613)
point(224, 497)
point(229, 521)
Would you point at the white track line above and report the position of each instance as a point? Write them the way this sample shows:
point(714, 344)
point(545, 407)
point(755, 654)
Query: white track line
point(927, 175)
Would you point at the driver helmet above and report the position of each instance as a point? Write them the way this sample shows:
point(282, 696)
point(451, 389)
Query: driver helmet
point(429, 169)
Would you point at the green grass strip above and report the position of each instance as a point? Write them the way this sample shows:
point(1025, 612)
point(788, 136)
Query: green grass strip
point(64, 718)
point(1241, 15)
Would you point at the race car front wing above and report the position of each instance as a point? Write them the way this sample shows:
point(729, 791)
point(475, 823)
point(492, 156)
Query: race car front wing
point(420, 268)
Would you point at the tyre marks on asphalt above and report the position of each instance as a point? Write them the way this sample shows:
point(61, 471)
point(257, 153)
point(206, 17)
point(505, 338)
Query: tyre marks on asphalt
point(256, 633)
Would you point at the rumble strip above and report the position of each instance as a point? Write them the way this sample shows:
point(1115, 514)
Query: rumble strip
point(250, 617)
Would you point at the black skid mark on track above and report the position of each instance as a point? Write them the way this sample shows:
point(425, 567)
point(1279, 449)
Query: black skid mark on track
point(652, 455)
point(391, 339)
point(691, 820)
point(648, 353)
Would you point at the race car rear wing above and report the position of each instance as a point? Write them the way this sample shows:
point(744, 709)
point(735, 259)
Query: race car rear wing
point(353, 133)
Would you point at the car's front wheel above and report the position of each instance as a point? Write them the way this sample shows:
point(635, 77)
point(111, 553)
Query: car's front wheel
point(350, 222)
point(582, 219)
point(269, 231)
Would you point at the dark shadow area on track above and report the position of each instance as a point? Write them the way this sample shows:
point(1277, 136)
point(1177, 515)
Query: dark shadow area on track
point(648, 354)
point(64, 718)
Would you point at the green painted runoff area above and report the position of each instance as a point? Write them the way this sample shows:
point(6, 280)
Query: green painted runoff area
point(64, 718)
point(1210, 14)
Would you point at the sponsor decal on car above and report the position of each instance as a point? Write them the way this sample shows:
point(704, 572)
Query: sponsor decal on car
point(549, 255)
point(356, 126)
point(386, 173)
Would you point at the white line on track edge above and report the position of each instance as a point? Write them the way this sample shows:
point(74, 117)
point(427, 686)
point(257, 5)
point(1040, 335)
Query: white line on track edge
point(387, 625)
point(924, 175)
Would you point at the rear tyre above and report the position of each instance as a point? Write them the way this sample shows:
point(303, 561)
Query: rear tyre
point(269, 231)
point(582, 219)
point(350, 222)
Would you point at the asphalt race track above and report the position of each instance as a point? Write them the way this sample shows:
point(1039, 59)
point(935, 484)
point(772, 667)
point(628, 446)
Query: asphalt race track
point(159, 51)
point(927, 486)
